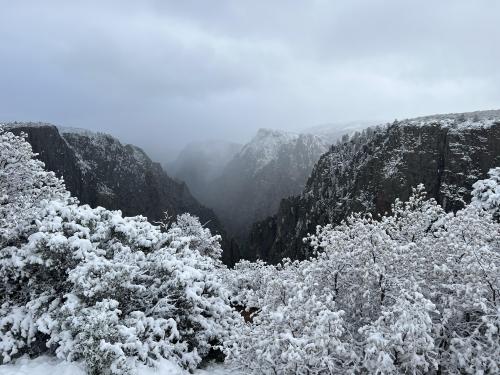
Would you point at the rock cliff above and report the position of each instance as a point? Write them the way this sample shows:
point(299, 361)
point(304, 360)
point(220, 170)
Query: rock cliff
point(446, 153)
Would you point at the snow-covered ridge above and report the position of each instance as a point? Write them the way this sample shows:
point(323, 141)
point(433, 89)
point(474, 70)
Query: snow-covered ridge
point(19, 124)
point(84, 132)
point(477, 119)
point(268, 143)
point(106, 141)
point(457, 121)
point(61, 129)
point(99, 136)
point(265, 145)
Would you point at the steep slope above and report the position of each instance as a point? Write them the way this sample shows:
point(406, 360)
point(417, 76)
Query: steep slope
point(199, 163)
point(100, 171)
point(274, 165)
point(446, 153)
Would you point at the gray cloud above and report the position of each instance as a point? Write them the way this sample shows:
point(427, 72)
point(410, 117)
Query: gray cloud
point(162, 73)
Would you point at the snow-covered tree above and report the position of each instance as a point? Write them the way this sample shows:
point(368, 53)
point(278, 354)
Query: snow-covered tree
point(23, 185)
point(89, 284)
point(200, 237)
point(486, 193)
point(414, 292)
point(400, 340)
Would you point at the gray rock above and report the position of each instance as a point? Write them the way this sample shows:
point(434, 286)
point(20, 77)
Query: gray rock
point(447, 153)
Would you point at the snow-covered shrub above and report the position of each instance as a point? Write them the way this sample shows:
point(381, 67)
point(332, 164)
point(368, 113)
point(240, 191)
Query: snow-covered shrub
point(200, 237)
point(251, 282)
point(400, 340)
point(297, 332)
point(486, 193)
point(88, 284)
point(23, 185)
point(294, 329)
point(414, 292)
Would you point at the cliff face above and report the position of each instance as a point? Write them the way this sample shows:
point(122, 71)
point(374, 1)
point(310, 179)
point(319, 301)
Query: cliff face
point(274, 165)
point(100, 171)
point(366, 174)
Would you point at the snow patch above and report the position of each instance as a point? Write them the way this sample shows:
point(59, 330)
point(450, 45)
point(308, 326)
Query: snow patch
point(49, 366)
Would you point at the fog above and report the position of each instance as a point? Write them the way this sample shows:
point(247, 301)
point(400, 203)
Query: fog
point(160, 74)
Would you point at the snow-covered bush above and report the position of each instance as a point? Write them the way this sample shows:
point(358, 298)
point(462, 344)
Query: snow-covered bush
point(300, 334)
point(414, 292)
point(486, 193)
point(88, 284)
point(400, 340)
point(23, 186)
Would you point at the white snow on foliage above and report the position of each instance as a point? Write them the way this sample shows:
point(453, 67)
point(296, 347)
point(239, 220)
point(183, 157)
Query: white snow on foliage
point(89, 285)
point(86, 290)
point(415, 292)
point(486, 193)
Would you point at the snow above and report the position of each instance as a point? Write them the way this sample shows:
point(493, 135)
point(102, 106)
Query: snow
point(19, 124)
point(94, 150)
point(139, 155)
point(219, 369)
point(459, 121)
point(49, 366)
point(104, 189)
point(392, 166)
point(266, 145)
point(42, 366)
point(78, 131)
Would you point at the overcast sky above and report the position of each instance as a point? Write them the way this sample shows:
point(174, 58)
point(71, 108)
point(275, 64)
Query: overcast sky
point(162, 73)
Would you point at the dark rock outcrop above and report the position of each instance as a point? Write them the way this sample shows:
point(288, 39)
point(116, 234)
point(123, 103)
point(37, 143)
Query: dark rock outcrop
point(100, 171)
point(366, 174)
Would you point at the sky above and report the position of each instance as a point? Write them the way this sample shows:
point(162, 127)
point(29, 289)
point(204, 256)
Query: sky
point(160, 74)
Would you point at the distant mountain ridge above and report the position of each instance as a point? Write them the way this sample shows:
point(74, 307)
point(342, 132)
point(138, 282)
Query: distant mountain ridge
point(447, 153)
point(272, 166)
point(101, 171)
